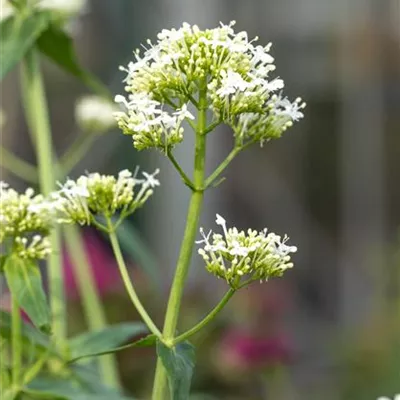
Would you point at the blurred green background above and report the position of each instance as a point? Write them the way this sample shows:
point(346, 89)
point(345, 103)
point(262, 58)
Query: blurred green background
point(330, 329)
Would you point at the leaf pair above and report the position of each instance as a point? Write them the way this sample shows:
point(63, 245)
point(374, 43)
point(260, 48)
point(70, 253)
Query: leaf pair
point(178, 361)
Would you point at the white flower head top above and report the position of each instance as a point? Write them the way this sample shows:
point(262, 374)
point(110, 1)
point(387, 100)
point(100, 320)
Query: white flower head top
point(95, 114)
point(25, 223)
point(234, 72)
point(242, 257)
point(94, 195)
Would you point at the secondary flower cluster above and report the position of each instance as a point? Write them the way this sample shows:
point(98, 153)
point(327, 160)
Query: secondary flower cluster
point(232, 70)
point(237, 254)
point(82, 200)
point(149, 124)
point(25, 222)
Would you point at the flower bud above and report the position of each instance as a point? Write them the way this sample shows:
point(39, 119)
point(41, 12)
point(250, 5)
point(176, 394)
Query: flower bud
point(95, 114)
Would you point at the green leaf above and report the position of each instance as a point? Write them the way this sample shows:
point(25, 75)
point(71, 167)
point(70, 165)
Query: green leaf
point(25, 283)
point(179, 363)
point(59, 47)
point(59, 389)
point(28, 332)
point(147, 341)
point(17, 35)
point(105, 341)
point(3, 259)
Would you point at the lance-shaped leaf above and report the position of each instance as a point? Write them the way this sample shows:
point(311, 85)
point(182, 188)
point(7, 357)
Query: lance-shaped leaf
point(25, 284)
point(179, 363)
point(29, 333)
point(17, 35)
point(107, 340)
point(59, 47)
point(58, 389)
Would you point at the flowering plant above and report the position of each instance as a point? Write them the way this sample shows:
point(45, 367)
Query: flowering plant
point(199, 78)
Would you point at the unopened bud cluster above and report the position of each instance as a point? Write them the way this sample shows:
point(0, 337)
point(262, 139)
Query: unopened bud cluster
point(94, 114)
point(237, 255)
point(25, 223)
point(94, 195)
point(230, 68)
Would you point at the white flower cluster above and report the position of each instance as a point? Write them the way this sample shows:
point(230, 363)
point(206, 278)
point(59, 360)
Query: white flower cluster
point(234, 71)
point(252, 255)
point(149, 124)
point(25, 223)
point(94, 114)
point(396, 397)
point(82, 200)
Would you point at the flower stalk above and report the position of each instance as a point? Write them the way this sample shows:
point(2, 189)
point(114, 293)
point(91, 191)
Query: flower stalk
point(127, 281)
point(192, 220)
point(38, 121)
point(206, 320)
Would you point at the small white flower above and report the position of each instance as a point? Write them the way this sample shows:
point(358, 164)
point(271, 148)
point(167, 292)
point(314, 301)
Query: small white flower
point(230, 83)
point(283, 107)
point(150, 181)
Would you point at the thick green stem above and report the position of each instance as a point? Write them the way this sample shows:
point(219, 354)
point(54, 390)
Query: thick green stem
point(38, 122)
point(127, 282)
point(16, 342)
point(207, 319)
point(192, 220)
point(90, 297)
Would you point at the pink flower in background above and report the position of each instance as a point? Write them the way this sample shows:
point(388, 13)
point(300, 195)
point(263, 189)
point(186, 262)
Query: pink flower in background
point(5, 304)
point(241, 351)
point(103, 267)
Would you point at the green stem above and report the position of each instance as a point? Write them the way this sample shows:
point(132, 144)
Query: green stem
point(207, 319)
point(18, 166)
point(38, 121)
point(221, 168)
point(127, 282)
point(185, 254)
point(212, 178)
point(181, 172)
point(76, 152)
point(16, 341)
point(212, 126)
point(90, 296)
